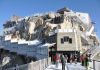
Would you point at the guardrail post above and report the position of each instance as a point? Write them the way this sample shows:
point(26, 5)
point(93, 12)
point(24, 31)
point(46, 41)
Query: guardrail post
point(40, 65)
point(94, 64)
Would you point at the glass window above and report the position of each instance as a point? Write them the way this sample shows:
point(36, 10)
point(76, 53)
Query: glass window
point(62, 40)
point(66, 38)
point(70, 40)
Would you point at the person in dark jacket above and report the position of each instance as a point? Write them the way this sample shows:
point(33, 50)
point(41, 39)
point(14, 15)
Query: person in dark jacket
point(86, 60)
point(63, 61)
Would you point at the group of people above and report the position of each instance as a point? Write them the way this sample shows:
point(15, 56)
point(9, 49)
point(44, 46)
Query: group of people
point(85, 60)
point(63, 59)
point(60, 58)
point(72, 58)
point(68, 58)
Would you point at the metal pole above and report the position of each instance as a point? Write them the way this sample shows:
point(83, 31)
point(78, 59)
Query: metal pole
point(94, 64)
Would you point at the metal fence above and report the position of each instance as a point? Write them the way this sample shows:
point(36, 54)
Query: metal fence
point(38, 65)
point(96, 65)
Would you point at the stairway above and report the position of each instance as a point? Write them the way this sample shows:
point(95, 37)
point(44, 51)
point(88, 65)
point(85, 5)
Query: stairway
point(93, 51)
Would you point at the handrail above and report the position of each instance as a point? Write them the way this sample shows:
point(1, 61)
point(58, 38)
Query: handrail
point(38, 65)
point(94, 65)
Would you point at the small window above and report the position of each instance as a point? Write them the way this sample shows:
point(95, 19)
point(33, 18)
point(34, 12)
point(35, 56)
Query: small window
point(66, 38)
point(62, 40)
point(70, 40)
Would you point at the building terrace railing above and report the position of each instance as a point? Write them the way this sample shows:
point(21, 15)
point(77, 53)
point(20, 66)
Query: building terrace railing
point(38, 65)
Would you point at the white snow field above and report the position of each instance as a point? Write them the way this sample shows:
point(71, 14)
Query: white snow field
point(68, 66)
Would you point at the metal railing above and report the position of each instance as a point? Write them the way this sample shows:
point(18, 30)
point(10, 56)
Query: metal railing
point(38, 65)
point(94, 65)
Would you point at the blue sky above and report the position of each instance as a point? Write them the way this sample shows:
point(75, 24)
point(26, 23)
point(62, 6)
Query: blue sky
point(28, 7)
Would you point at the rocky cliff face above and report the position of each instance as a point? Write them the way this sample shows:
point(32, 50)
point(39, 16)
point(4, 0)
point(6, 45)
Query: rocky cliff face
point(43, 27)
point(35, 27)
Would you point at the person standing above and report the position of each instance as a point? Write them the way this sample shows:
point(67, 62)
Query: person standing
point(54, 58)
point(82, 60)
point(57, 60)
point(86, 60)
point(71, 58)
point(75, 59)
point(66, 57)
point(63, 61)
